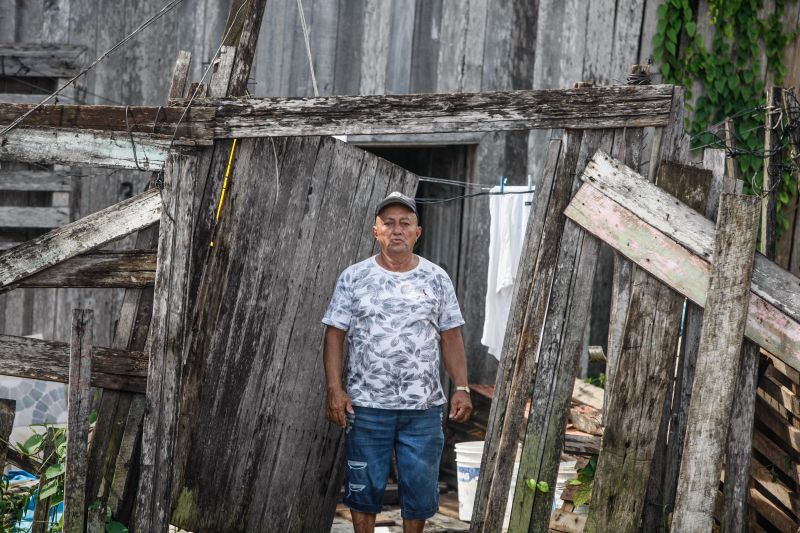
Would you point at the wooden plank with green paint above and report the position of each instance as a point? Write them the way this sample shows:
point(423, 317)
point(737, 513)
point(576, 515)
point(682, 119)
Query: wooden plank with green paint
point(678, 267)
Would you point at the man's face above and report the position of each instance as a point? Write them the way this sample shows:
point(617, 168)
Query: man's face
point(396, 229)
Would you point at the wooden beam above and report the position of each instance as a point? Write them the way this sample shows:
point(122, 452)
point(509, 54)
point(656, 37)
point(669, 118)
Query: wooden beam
point(583, 108)
point(24, 357)
point(717, 362)
point(563, 336)
point(155, 496)
point(114, 449)
point(77, 237)
point(679, 268)
point(88, 148)
point(245, 37)
point(33, 217)
point(45, 60)
point(79, 404)
point(518, 362)
point(35, 180)
point(7, 412)
point(686, 226)
point(194, 123)
point(131, 269)
point(648, 345)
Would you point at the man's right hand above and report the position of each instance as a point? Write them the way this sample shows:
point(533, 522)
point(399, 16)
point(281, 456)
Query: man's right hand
point(338, 402)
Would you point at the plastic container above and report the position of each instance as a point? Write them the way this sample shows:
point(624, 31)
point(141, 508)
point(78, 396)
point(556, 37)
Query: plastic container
point(468, 462)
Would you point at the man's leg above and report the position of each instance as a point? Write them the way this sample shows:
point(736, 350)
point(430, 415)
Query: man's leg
point(418, 445)
point(369, 439)
point(413, 526)
point(363, 522)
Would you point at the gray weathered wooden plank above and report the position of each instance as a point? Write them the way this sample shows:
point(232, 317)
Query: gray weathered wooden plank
point(633, 416)
point(46, 146)
point(79, 236)
point(563, 338)
point(7, 411)
point(178, 121)
point(517, 364)
point(687, 227)
point(33, 217)
point(402, 14)
point(47, 60)
point(35, 180)
point(463, 33)
point(26, 357)
point(79, 401)
point(582, 108)
point(350, 31)
point(375, 46)
point(676, 266)
point(154, 504)
point(101, 268)
point(180, 75)
point(703, 196)
point(245, 41)
point(425, 47)
point(8, 18)
point(717, 362)
point(739, 442)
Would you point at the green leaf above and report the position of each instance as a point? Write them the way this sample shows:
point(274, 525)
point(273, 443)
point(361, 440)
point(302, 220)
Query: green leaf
point(670, 46)
point(116, 527)
point(531, 484)
point(54, 471)
point(48, 491)
point(783, 197)
point(575, 482)
point(93, 416)
point(542, 486)
point(691, 28)
point(33, 444)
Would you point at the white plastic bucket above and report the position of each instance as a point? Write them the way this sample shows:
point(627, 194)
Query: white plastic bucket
point(566, 471)
point(468, 462)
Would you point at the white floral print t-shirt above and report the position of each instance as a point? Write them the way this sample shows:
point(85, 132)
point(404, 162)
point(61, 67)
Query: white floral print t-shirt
point(393, 321)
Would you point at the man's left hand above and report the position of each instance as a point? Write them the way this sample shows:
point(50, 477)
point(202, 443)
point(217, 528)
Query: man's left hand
point(460, 406)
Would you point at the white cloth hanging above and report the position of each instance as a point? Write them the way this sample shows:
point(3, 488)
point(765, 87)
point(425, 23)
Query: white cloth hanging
point(509, 219)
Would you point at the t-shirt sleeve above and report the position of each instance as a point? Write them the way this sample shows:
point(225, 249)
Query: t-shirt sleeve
point(339, 310)
point(449, 312)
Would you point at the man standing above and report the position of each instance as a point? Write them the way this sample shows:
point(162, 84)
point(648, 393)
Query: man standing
point(398, 312)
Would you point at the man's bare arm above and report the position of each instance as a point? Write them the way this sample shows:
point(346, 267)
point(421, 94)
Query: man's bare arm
point(455, 361)
point(333, 358)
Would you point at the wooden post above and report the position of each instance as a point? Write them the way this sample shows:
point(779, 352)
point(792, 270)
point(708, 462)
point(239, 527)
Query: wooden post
point(518, 362)
point(7, 411)
point(648, 346)
point(717, 363)
point(562, 343)
point(41, 513)
point(111, 451)
point(773, 157)
point(153, 503)
point(79, 400)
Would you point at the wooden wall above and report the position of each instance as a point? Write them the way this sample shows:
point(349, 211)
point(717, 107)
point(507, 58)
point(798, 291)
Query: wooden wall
point(138, 73)
point(366, 47)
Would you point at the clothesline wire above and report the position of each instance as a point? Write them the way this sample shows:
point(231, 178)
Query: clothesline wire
point(432, 201)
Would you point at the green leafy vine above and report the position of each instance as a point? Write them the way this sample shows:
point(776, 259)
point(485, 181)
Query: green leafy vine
point(730, 75)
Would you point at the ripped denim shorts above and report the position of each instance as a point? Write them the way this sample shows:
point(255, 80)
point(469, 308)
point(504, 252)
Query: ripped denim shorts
point(417, 438)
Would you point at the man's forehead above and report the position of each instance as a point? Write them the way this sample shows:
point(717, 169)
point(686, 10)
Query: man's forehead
point(396, 211)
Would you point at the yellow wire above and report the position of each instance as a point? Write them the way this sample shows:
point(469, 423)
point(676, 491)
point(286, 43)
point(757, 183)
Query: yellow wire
point(225, 183)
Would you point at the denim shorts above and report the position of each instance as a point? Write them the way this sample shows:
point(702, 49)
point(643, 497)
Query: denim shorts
point(417, 438)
